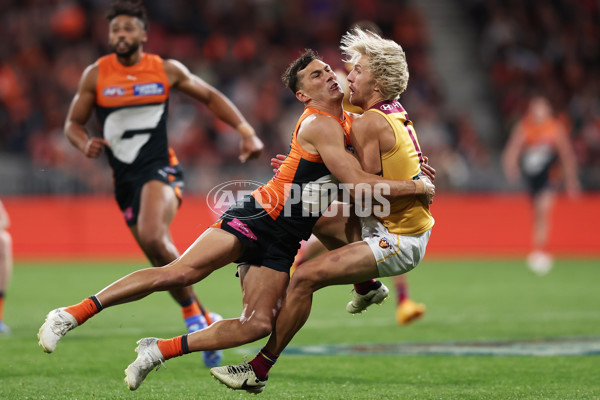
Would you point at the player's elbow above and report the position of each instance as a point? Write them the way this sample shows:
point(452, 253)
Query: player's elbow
point(67, 129)
point(348, 181)
point(70, 130)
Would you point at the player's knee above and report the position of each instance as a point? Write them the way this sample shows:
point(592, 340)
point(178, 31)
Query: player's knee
point(150, 241)
point(303, 281)
point(171, 277)
point(257, 327)
point(157, 247)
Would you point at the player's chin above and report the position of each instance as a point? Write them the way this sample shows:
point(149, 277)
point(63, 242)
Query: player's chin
point(123, 52)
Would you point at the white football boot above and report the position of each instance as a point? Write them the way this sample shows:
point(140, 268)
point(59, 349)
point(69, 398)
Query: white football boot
point(149, 356)
point(540, 262)
point(360, 302)
point(58, 323)
point(239, 377)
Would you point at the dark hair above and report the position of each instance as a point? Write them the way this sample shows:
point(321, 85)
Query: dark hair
point(290, 76)
point(130, 8)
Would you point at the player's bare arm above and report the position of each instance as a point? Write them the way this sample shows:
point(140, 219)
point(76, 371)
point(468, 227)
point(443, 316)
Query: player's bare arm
point(427, 169)
point(79, 113)
point(369, 137)
point(372, 136)
point(180, 77)
point(510, 158)
point(323, 135)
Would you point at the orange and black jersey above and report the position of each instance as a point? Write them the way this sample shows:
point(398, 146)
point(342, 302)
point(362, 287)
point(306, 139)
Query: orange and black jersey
point(302, 188)
point(132, 108)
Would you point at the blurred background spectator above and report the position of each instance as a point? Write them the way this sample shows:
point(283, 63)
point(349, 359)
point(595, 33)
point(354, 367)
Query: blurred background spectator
point(473, 66)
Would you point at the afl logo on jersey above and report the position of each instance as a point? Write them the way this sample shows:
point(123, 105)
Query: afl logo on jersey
point(113, 91)
point(148, 89)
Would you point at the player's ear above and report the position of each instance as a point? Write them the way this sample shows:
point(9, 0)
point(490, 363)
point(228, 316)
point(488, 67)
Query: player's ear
point(144, 30)
point(300, 95)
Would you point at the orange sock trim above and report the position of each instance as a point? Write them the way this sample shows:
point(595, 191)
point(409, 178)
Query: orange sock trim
point(191, 310)
point(83, 311)
point(1, 307)
point(170, 347)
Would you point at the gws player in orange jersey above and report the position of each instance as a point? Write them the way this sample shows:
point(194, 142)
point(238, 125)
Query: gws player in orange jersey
point(261, 232)
point(129, 90)
point(537, 142)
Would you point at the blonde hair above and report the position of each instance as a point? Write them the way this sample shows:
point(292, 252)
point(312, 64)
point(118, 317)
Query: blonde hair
point(387, 61)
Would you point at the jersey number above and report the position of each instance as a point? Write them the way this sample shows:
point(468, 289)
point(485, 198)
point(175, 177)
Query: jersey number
point(128, 129)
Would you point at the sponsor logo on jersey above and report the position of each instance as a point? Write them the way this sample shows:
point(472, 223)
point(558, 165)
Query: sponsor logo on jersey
point(390, 106)
point(148, 89)
point(384, 244)
point(113, 91)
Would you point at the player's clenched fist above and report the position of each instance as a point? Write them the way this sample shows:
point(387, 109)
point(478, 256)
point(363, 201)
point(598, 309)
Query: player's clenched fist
point(94, 146)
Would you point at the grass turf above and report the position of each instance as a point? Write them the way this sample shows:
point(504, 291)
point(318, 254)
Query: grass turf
point(467, 300)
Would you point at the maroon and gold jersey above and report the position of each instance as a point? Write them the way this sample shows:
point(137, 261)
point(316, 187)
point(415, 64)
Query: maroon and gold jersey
point(408, 215)
point(132, 108)
point(302, 188)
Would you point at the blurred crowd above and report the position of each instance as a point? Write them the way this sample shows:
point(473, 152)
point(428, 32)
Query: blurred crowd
point(550, 48)
point(243, 46)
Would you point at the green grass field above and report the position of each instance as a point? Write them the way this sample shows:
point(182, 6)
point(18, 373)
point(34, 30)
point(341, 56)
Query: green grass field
point(471, 302)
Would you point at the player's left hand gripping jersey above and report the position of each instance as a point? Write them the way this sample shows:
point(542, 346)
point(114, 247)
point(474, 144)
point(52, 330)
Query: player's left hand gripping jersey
point(132, 107)
point(302, 188)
